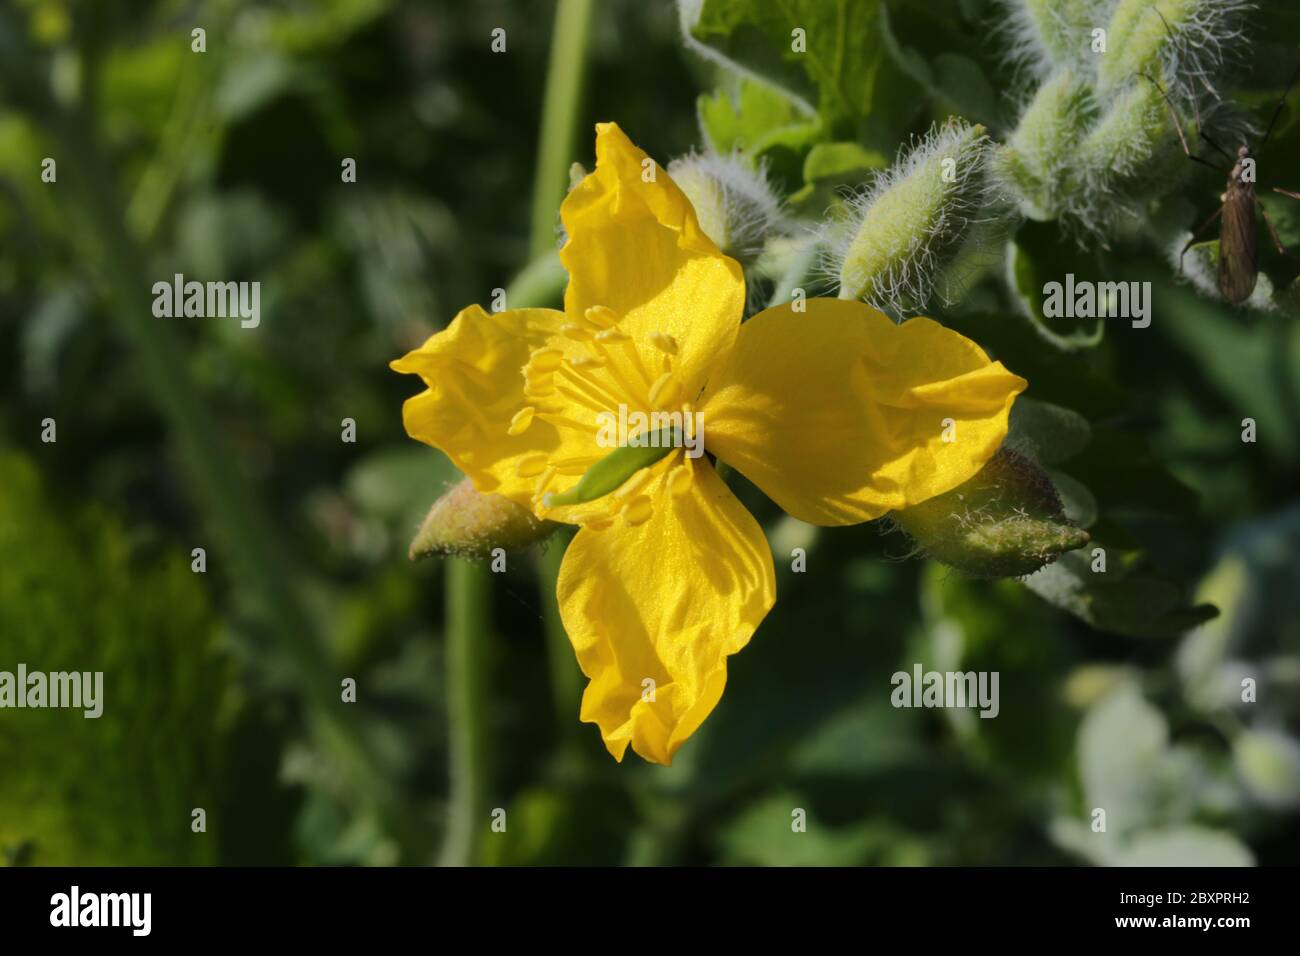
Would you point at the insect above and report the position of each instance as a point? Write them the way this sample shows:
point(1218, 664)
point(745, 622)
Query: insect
point(1239, 233)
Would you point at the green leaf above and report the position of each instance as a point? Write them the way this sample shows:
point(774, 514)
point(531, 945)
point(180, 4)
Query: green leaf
point(843, 72)
point(1027, 275)
point(829, 167)
point(752, 120)
point(1077, 501)
point(1120, 470)
point(1127, 598)
point(1048, 433)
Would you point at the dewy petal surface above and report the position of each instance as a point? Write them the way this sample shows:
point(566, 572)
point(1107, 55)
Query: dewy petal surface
point(666, 600)
point(635, 246)
point(473, 371)
point(838, 414)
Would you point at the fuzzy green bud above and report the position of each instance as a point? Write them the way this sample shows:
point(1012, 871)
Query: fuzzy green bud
point(1007, 521)
point(1135, 37)
point(1039, 162)
point(469, 524)
point(1046, 34)
point(1133, 129)
point(1177, 38)
point(897, 239)
point(1130, 155)
point(733, 201)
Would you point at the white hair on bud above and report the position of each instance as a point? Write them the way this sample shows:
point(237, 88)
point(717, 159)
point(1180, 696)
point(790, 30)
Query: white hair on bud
point(934, 259)
point(1024, 32)
point(750, 208)
point(1203, 43)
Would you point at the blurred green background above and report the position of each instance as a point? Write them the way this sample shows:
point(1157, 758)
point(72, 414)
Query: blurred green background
point(223, 688)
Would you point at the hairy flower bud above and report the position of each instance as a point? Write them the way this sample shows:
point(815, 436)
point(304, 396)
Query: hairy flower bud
point(898, 238)
point(1047, 34)
point(734, 203)
point(1007, 521)
point(1038, 163)
point(466, 523)
point(1178, 38)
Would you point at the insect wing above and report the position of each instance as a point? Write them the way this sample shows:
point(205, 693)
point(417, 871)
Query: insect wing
point(1238, 247)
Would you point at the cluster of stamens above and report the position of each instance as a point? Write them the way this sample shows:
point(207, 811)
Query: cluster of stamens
point(605, 371)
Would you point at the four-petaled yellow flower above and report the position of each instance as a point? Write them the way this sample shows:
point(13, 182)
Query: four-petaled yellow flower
point(838, 414)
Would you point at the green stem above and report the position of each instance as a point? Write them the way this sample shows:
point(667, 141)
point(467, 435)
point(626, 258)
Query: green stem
point(564, 81)
point(566, 679)
point(540, 284)
point(468, 594)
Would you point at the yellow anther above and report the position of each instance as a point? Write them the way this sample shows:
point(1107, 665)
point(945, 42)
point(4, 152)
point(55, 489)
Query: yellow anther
point(664, 391)
point(545, 360)
point(538, 386)
point(540, 488)
point(612, 336)
point(575, 332)
point(679, 482)
point(586, 361)
point(574, 466)
point(638, 510)
point(664, 342)
point(602, 315)
point(531, 465)
point(523, 418)
point(633, 484)
point(598, 522)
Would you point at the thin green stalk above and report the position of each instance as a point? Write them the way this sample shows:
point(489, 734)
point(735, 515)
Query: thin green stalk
point(468, 589)
point(540, 284)
point(565, 78)
point(564, 81)
point(468, 594)
point(566, 679)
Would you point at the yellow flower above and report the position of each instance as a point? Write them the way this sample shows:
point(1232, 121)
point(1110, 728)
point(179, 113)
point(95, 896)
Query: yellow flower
point(836, 412)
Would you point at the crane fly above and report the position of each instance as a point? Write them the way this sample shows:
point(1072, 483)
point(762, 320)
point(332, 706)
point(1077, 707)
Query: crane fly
point(1239, 232)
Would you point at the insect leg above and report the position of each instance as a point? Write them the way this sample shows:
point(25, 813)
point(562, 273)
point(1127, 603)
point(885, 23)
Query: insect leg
point(1281, 249)
point(1196, 107)
point(1178, 128)
point(1277, 110)
point(1286, 192)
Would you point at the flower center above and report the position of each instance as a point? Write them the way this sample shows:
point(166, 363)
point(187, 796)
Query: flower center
point(607, 372)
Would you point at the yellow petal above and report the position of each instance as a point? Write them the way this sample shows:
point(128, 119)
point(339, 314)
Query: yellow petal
point(473, 371)
point(635, 247)
point(664, 631)
point(840, 415)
